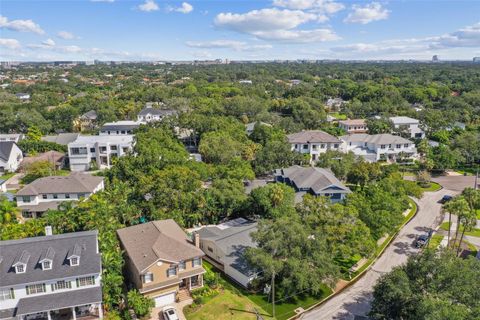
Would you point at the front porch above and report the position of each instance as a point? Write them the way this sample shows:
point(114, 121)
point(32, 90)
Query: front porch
point(192, 282)
point(84, 312)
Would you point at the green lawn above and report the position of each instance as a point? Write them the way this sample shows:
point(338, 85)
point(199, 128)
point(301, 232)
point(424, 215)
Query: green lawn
point(7, 176)
point(474, 233)
point(433, 187)
point(435, 241)
point(339, 116)
point(478, 214)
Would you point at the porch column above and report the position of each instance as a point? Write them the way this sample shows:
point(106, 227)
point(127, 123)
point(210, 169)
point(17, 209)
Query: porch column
point(100, 311)
point(49, 317)
point(189, 283)
point(73, 313)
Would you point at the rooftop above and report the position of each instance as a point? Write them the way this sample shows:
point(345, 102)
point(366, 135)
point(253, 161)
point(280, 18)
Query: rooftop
point(6, 148)
point(403, 120)
point(103, 139)
point(121, 125)
point(62, 138)
point(353, 122)
point(312, 136)
point(383, 138)
point(74, 183)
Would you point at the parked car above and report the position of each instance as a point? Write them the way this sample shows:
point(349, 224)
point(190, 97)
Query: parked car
point(446, 198)
point(169, 313)
point(421, 241)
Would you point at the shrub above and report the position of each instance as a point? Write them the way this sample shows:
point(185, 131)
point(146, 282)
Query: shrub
point(141, 305)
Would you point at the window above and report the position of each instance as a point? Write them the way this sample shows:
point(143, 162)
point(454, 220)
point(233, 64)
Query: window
point(398, 146)
point(322, 146)
point(181, 265)
point(305, 146)
point(147, 277)
point(406, 145)
point(20, 268)
point(27, 214)
point(113, 148)
point(67, 196)
point(81, 195)
point(78, 151)
point(335, 146)
point(389, 146)
point(382, 146)
point(74, 261)
point(172, 271)
point(210, 249)
point(196, 262)
point(47, 265)
point(85, 281)
point(61, 285)
point(36, 288)
point(92, 150)
point(314, 147)
point(25, 198)
point(103, 149)
point(44, 196)
point(7, 294)
point(55, 196)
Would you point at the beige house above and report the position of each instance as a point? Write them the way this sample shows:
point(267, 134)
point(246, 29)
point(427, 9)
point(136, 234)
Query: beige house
point(162, 261)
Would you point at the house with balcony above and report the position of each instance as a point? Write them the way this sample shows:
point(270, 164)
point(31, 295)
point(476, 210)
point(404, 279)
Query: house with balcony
point(312, 180)
point(313, 143)
point(161, 261)
point(88, 152)
point(408, 125)
point(48, 192)
point(10, 156)
point(352, 126)
point(125, 127)
point(377, 147)
point(52, 277)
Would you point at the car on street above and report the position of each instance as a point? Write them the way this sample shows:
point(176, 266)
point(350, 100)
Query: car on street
point(421, 241)
point(170, 313)
point(446, 198)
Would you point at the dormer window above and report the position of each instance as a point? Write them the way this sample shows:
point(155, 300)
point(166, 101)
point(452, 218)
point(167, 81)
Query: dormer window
point(74, 261)
point(20, 268)
point(47, 265)
point(74, 255)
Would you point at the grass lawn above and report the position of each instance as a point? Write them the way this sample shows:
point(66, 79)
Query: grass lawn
point(7, 176)
point(435, 241)
point(433, 187)
point(478, 214)
point(474, 233)
point(339, 116)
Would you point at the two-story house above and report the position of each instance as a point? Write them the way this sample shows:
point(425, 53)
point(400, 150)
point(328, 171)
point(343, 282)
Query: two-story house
point(313, 180)
point(409, 125)
point(151, 114)
point(353, 126)
point(161, 260)
point(124, 127)
point(88, 152)
point(48, 192)
point(313, 143)
point(379, 147)
point(51, 277)
point(86, 122)
point(10, 156)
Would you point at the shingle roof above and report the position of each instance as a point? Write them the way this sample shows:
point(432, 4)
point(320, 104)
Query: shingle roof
point(383, 138)
point(92, 115)
point(120, 125)
point(50, 156)
point(41, 206)
point(74, 183)
point(157, 112)
point(353, 122)
point(157, 240)
point(312, 136)
point(313, 178)
point(6, 148)
point(12, 250)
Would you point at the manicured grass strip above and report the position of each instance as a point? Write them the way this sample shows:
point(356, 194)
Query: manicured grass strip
point(7, 176)
point(435, 241)
point(475, 232)
point(433, 187)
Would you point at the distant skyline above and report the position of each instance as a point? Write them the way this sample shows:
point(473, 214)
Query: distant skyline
point(37, 30)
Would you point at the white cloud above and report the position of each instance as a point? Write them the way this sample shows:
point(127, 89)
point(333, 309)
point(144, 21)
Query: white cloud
point(299, 36)
point(9, 43)
point(368, 13)
point(20, 25)
point(149, 5)
point(324, 6)
point(184, 8)
point(465, 37)
point(227, 44)
point(66, 35)
point(48, 43)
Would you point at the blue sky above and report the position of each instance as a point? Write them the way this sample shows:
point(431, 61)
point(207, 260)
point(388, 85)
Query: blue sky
point(231, 29)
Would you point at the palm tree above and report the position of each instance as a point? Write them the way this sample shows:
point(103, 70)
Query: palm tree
point(468, 220)
point(456, 206)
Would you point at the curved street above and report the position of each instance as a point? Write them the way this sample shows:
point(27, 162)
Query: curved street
point(354, 302)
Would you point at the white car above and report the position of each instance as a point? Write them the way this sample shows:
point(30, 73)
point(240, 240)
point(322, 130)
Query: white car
point(169, 313)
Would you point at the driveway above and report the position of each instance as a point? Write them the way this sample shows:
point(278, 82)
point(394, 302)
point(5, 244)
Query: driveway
point(355, 301)
point(455, 183)
point(14, 181)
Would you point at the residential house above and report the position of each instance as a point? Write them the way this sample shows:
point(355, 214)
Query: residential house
point(313, 180)
point(249, 127)
point(15, 137)
point(48, 192)
point(409, 125)
point(334, 104)
point(10, 156)
point(379, 147)
point(86, 122)
point(22, 96)
point(88, 152)
point(51, 277)
point(55, 158)
point(225, 245)
point(313, 143)
point(62, 138)
point(162, 262)
point(353, 126)
point(151, 114)
point(126, 127)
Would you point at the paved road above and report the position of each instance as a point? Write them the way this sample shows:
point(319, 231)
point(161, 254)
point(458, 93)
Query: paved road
point(355, 301)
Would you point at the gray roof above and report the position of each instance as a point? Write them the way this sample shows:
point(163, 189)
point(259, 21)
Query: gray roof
point(383, 138)
point(157, 240)
point(403, 120)
point(57, 301)
point(120, 125)
point(317, 180)
point(157, 112)
point(12, 251)
point(74, 183)
point(92, 115)
point(6, 148)
point(62, 138)
point(233, 238)
point(312, 136)
point(41, 206)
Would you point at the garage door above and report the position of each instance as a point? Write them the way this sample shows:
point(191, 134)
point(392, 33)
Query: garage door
point(165, 299)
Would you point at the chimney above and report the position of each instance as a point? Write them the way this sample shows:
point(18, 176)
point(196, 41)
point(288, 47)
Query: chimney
point(48, 230)
point(196, 239)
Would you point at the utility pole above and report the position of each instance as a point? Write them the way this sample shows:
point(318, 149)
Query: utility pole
point(476, 181)
point(273, 294)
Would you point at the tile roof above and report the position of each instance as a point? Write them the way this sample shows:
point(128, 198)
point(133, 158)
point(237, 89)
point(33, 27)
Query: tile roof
point(157, 240)
point(74, 183)
point(312, 136)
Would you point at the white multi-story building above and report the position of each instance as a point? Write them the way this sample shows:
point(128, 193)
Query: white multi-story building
point(51, 277)
point(125, 127)
point(379, 147)
point(97, 151)
point(313, 142)
point(47, 192)
point(412, 126)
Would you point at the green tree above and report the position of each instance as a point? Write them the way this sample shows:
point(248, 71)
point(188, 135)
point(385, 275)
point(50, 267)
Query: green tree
point(38, 169)
point(272, 201)
point(141, 305)
point(34, 133)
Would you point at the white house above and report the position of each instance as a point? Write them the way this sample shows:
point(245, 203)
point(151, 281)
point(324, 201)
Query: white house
point(10, 156)
point(379, 146)
point(412, 126)
point(151, 114)
point(23, 96)
point(15, 137)
point(352, 126)
point(124, 127)
point(97, 151)
point(313, 142)
point(48, 192)
point(51, 277)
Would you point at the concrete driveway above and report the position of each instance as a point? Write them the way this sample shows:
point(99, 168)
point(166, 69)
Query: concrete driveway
point(355, 301)
point(455, 183)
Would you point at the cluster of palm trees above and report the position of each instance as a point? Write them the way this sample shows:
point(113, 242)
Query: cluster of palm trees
point(464, 207)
